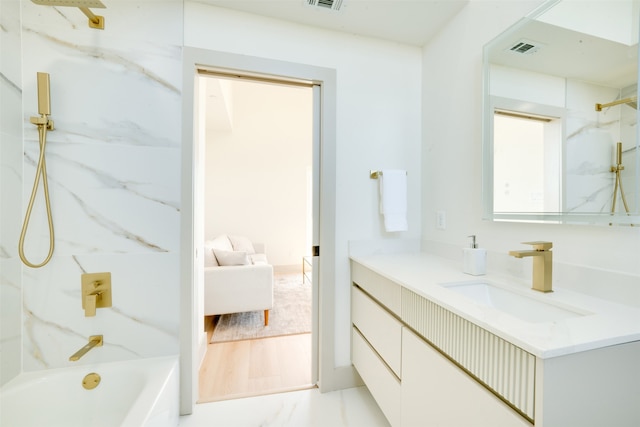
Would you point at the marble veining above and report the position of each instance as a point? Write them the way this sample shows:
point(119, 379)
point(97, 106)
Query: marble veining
point(352, 407)
point(11, 84)
point(109, 56)
point(132, 328)
point(10, 185)
point(590, 147)
point(94, 214)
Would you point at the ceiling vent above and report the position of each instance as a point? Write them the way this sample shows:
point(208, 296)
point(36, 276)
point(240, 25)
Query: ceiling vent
point(325, 4)
point(525, 47)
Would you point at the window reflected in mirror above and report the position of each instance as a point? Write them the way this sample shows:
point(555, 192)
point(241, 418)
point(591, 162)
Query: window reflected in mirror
point(525, 151)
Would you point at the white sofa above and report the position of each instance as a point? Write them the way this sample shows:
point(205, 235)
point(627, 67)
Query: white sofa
point(237, 277)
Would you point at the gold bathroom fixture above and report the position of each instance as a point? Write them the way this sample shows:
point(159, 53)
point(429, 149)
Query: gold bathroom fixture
point(375, 174)
point(94, 341)
point(91, 381)
point(542, 264)
point(629, 100)
point(617, 169)
point(95, 21)
point(44, 124)
point(96, 292)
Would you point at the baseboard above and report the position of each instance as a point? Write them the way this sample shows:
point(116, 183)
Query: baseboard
point(343, 377)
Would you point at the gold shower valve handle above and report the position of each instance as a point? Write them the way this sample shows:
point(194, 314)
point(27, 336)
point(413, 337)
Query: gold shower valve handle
point(96, 292)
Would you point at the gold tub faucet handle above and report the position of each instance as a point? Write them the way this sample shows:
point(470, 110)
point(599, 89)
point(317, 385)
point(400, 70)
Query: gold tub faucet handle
point(94, 341)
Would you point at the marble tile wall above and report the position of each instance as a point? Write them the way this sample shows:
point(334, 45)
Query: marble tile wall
point(591, 138)
point(631, 154)
point(10, 186)
point(113, 163)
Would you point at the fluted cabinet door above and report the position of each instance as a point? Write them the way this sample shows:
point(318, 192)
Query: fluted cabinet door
point(435, 392)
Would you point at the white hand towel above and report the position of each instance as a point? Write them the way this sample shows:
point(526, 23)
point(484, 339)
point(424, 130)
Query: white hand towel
point(393, 199)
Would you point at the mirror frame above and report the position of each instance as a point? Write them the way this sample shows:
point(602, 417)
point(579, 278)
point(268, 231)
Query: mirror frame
point(607, 219)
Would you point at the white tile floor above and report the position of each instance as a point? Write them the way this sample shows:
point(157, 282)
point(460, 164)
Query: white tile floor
point(353, 407)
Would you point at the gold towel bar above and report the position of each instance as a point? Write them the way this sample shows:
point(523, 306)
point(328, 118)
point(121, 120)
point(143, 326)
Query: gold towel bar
point(375, 174)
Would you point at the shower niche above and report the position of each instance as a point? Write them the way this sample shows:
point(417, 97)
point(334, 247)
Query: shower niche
point(560, 116)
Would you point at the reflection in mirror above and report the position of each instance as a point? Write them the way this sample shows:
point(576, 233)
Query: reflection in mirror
point(560, 115)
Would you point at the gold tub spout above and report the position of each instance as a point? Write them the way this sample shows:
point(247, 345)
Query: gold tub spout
point(542, 264)
point(94, 341)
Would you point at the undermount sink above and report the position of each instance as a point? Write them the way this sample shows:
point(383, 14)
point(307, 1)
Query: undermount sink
point(528, 308)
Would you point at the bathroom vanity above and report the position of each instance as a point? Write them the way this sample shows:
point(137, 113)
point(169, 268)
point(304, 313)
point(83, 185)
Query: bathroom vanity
point(438, 347)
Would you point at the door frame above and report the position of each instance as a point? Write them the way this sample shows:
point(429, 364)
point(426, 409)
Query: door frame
point(192, 337)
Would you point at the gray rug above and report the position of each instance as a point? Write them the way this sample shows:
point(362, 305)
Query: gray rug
point(291, 314)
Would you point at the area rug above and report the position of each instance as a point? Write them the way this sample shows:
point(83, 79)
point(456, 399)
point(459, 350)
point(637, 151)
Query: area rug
point(291, 314)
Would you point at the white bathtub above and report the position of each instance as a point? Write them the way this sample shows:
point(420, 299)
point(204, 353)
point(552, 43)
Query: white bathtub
point(130, 394)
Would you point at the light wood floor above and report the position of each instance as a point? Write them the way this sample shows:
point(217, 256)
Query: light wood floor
point(253, 367)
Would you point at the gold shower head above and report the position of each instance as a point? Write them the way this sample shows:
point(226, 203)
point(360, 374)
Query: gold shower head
point(95, 21)
point(631, 102)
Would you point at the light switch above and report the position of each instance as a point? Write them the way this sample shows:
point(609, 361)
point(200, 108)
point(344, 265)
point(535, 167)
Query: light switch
point(441, 220)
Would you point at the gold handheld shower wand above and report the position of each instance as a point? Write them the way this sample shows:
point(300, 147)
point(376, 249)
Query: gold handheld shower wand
point(44, 124)
point(616, 169)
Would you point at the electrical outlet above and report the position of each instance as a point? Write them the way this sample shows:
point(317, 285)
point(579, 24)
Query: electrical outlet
point(441, 220)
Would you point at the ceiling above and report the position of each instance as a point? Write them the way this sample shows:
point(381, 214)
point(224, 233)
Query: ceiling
point(412, 22)
point(580, 48)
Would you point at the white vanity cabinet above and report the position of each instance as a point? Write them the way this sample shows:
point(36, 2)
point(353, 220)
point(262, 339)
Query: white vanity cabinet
point(436, 392)
point(413, 383)
point(426, 365)
point(377, 340)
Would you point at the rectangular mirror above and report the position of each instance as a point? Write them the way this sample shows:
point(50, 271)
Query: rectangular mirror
point(560, 116)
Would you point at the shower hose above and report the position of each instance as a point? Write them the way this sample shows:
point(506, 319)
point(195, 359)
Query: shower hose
point(616, 169)
point(41, 172)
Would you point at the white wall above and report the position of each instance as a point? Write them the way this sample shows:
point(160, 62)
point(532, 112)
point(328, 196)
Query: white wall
point(113, 163)
point(452, 161)
point(256, 173)
point(378, 120)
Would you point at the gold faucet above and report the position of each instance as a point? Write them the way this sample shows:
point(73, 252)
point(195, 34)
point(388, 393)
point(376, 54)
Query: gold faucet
point(94, 341)
point(542, 264)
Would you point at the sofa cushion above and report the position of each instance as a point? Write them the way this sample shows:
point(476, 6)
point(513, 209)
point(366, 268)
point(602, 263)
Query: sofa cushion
point(257, 259)
point(243, 244)
point(226, 258)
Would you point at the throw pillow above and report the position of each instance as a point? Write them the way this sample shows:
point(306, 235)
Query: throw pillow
point(209, 257)
point(222, 242)
point(231, 257)
point(240, 243)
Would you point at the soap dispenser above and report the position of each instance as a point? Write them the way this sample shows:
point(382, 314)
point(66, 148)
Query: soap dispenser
point(474, 259)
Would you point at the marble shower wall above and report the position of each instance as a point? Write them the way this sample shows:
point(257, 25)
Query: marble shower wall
point(590, 151)
point(113, 163)
point(10, 190)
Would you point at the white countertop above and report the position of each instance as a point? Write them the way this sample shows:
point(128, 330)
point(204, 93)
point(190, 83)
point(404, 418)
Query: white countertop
point(602, 323)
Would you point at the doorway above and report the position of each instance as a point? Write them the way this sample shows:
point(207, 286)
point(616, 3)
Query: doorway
point(192, 336)
point(258, 183)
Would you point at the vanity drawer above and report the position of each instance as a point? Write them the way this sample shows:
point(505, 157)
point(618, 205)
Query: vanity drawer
point(380, 380)
point(382, 289)
point(379, 328)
